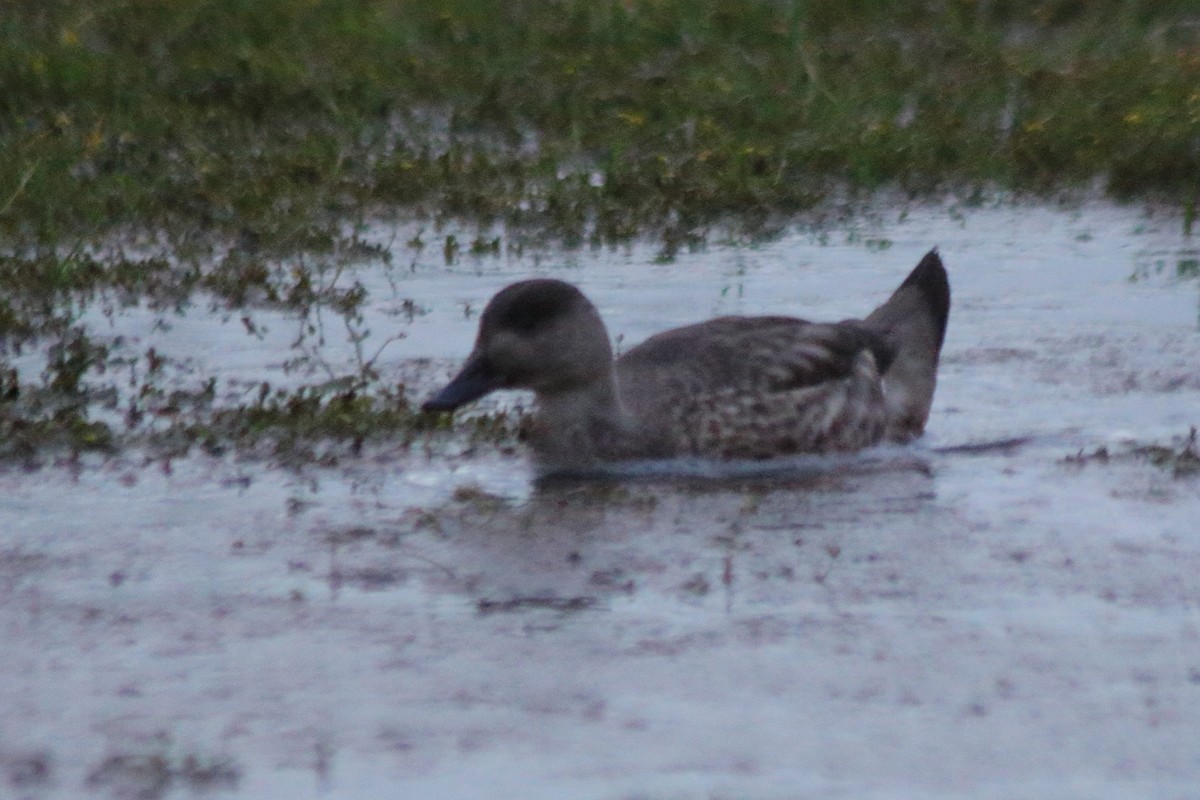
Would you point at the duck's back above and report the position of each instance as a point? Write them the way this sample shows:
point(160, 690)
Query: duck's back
point(756, 387)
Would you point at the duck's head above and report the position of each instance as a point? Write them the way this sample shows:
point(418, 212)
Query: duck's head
point(538, 334)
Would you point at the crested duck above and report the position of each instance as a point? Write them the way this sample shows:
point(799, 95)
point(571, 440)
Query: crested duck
point(729, 388)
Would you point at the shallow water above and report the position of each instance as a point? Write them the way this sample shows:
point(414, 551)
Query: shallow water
point(923, 621)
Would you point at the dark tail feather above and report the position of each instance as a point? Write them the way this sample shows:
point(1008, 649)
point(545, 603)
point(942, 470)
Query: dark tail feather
point(930, 279)
point(913, 322)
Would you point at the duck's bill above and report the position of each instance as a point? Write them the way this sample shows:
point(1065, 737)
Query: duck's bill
point(474, 381)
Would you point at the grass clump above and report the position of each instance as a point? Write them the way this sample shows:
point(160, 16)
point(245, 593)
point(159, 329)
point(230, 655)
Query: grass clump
point(319, 425)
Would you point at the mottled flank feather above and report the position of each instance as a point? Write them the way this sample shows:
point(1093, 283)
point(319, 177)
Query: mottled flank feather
point(836, 415)
point(732, 387)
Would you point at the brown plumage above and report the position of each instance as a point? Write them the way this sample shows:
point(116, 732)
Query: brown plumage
point(731, 387)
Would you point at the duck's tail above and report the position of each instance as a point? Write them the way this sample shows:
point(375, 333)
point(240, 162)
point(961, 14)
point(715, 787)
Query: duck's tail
point(913, 322)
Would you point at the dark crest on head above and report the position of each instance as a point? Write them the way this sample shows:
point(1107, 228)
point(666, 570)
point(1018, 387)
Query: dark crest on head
point(531, 305)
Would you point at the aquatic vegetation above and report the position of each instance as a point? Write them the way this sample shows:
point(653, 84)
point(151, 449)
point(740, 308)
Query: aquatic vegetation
point(1181, 459)
point(154, 775)
point(317, 425)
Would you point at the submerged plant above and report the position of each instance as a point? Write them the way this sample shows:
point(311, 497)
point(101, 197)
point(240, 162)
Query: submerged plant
point(1181, 460)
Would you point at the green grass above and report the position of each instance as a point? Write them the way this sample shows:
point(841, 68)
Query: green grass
point(278, 116)
point(153, 150)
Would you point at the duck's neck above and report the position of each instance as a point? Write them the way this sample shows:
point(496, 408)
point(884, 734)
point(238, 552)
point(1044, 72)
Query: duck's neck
point(582, 425)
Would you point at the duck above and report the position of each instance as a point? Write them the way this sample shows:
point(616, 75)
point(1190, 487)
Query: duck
point(729, 388)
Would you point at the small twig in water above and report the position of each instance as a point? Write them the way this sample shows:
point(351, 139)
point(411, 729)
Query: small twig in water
point(486, 606)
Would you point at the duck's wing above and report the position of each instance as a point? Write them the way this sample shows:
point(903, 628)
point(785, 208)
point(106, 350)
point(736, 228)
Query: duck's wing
point(768, 354)
point(753, 387)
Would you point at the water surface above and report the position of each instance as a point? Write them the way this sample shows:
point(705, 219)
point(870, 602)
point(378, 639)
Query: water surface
point(921, 621)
